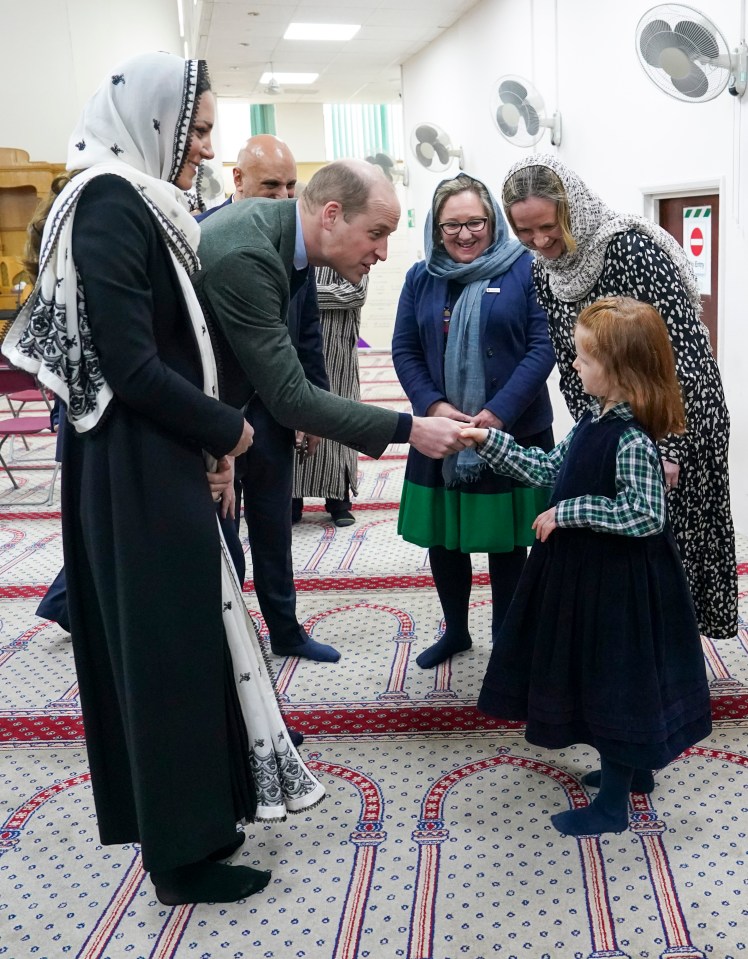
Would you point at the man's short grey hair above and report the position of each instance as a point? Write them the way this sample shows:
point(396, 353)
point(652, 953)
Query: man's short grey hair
point(342, 182)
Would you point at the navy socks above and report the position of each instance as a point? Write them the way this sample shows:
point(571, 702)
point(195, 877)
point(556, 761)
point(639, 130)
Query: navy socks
point(447, 646)
point(306, 648)
point(453, 578)
point(641, 782)
point(608, 812)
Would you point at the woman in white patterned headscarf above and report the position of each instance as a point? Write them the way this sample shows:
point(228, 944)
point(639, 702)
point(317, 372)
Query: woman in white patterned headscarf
point(586, 251)
point(179, 751)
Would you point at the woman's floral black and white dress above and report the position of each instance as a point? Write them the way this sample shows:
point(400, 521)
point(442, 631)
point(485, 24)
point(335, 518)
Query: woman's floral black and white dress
point(699, 506)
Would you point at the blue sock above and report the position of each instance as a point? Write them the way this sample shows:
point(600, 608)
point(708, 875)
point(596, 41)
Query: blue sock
point(641, 782)
point(608, 812)
point(309, 649)
point(447, 646)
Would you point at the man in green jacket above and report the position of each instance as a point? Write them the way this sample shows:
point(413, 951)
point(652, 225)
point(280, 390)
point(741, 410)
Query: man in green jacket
point(253, 256)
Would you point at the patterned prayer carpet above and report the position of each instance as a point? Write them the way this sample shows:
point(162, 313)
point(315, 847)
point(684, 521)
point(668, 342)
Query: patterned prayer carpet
point(434, 841)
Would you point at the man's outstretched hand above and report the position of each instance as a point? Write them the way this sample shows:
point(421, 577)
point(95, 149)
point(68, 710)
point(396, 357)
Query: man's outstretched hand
point(437, 436)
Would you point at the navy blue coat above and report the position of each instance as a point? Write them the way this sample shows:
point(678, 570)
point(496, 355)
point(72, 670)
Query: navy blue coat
point(517, 352)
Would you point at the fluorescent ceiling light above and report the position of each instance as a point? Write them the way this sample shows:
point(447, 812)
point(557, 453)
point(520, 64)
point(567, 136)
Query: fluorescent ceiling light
point(321, 31)
point(294, 79)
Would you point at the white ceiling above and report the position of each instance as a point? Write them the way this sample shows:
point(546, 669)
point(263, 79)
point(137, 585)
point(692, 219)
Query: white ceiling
point(241, 38)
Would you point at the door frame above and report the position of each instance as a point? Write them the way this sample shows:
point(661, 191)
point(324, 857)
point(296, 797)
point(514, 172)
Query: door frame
point(651, 196)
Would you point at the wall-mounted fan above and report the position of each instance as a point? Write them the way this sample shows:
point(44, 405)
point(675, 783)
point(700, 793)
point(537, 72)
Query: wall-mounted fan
point(387, 165)
point(432, 148)
point(687, 56)
point(519, 113)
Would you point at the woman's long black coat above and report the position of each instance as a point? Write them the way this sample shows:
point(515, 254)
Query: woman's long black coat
point(142, 552)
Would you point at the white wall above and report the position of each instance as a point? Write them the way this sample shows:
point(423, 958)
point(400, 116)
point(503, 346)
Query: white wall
point(55, 53)
point(302, 126)
point(620, 133)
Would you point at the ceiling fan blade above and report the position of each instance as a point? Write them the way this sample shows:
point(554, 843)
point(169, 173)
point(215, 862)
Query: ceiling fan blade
point(655, 37)
point(694, 85)
point(700, 37)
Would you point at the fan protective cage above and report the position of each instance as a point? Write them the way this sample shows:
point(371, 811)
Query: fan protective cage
point(683, 52)
point(431, 146)
point(517, 110)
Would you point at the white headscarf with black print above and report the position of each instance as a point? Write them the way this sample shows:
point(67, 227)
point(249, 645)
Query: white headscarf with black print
point(136, 126)
point(593, 225)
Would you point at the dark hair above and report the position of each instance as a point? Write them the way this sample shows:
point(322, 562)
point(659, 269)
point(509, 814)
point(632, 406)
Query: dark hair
point(631, 342)
point(203, 79)
point(202, 85)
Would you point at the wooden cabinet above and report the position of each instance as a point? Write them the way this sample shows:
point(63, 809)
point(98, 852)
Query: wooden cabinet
point(22, 183)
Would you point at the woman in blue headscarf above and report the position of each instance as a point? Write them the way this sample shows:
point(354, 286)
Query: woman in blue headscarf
point(471, 343)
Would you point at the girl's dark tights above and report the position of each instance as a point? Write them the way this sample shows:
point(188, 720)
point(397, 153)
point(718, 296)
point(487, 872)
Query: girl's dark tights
point(608, 812)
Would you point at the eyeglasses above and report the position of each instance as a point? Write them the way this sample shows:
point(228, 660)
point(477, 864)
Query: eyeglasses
point(474, 224)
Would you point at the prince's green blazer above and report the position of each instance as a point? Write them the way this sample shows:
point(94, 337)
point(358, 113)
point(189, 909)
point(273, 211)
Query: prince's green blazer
point(244, 285)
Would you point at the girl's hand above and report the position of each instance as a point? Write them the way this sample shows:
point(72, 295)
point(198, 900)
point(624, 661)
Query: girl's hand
point(474, 435)
point(442, 408)
point(545, 524)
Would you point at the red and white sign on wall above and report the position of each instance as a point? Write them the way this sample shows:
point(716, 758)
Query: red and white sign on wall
point(697, 242)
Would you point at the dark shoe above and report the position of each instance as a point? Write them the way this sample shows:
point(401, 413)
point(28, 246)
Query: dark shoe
point(295, 736)
point(344, 518)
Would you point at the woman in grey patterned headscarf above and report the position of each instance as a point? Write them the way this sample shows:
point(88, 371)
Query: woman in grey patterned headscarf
point(180, 750)
point(585, 251)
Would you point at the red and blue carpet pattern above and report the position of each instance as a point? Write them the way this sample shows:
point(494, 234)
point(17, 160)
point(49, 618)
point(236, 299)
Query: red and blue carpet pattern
point(434, 841)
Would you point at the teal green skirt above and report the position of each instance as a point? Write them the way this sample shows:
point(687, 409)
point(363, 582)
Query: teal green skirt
point(494, 514)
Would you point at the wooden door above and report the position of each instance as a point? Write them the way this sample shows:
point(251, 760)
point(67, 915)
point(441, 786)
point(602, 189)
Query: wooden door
point(671, 219)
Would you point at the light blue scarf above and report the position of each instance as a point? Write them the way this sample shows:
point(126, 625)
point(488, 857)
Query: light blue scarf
point(464, 378)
